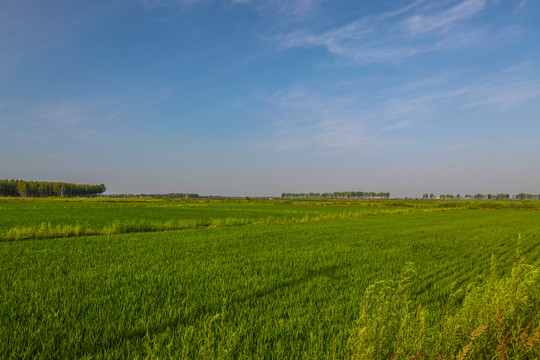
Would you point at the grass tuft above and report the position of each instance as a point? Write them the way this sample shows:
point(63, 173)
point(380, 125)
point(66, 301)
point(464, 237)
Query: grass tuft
point(497, 320)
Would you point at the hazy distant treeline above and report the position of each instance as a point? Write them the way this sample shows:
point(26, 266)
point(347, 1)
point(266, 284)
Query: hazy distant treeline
point(338, 195)
point(169, 195)
point(520, 196)
point(47, 188)
point(524, 196)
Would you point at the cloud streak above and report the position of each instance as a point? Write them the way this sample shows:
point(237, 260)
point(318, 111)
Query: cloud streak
point(422, 23)
point(283, 8)
point(63, 115)
point(402, 33)
point(359, 115)
point(86, 118)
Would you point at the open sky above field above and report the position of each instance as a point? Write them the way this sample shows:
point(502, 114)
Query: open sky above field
point(254, 97)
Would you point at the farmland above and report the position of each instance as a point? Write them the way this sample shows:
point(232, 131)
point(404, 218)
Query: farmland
point(239, 278)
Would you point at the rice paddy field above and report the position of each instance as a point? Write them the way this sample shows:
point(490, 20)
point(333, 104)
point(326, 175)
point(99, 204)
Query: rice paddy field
point(270, 279)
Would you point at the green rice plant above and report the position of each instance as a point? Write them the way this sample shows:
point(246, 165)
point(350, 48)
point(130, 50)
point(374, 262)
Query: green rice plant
point(499, 319)
point(47, 230)
point(292, 289)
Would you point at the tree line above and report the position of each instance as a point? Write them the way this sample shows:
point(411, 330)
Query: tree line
point(47, 188)
point(169, 195)
point(338, 195)
point(524, 196)
point(501, 196)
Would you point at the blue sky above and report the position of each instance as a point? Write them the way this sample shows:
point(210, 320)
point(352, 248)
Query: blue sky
point(253, 97)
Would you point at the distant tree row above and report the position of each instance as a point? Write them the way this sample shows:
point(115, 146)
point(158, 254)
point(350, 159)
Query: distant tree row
point(524, 196)
point(46, 188)
point(520, 196)
point(169, 195)
point(338, 195)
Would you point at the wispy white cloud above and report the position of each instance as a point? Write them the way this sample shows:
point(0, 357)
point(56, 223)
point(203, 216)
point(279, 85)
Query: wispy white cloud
point(172, 3)
point(362, 115)
point(395, 126)
point(88, 118)
point(287, 8)
point(84, 118)
point(162, 94)
point(500, 91)
point(75, 118)
point(309, 119)
point(402, 33)
point(502, 96)
point(282, 8)
point(422, 23)
point(79, 119)
point(64, 114)
point(85, 134)
point(400, 11)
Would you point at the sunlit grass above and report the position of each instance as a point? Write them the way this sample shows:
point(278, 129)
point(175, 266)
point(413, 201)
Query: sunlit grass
point(274, 281)
point(48, 231)
point(499, 319)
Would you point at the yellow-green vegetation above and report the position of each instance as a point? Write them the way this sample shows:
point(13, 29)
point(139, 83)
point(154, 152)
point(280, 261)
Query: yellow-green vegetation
point(269, 279)
point(53, 218)
point(498, 320)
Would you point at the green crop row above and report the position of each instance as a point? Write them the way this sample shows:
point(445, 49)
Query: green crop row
point(497, 320)
point(289, 290)
point(48, 230)
point(97, 215)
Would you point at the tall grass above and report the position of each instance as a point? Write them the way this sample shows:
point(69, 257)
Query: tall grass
point(497, 320)
point(48, 231)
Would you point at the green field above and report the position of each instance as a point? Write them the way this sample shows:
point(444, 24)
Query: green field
point(240, 279)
